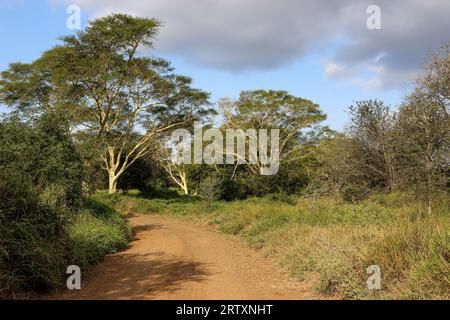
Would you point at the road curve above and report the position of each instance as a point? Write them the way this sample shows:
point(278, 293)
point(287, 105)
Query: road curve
point(173, 259)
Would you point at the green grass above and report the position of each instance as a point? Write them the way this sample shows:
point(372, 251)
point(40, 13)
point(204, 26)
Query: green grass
point(32, 260)
point(330, 242)
point(96, 231)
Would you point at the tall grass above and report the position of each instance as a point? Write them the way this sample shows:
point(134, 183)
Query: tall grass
point(33, 260)
point(330, 242)
point(95, 231)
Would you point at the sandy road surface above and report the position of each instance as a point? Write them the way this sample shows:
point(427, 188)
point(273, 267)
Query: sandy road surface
point(171, 258)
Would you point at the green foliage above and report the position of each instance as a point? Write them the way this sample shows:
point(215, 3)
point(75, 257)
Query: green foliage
point(291, 179)
point(45, 153)
point(275, 109)
point(282, 197)
point(58, 165)
point(119, 101)
point(32, 233)
point(210, 188)
point(42, 230)
point(354, 193)
point(32, 236)
point(96, 231)
point(421, 270)
point(233, 190)
point(331, 243)
point(157, 189)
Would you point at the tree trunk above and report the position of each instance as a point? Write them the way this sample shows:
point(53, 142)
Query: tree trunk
point(182, 182)
point(429, 206)
point(185, 189)
point(112, 183)
point(429, 194)
point(179, 177)
point(391, 171)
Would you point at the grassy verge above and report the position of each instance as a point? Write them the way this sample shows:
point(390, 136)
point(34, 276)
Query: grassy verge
point(34, 255)
point(95, 231)
point(331, 242)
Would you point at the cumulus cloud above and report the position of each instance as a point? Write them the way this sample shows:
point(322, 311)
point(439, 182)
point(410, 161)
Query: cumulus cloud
point(334, 70)
point(238, 35)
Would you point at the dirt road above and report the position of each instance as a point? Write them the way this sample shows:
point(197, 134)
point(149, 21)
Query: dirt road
point(174, 259)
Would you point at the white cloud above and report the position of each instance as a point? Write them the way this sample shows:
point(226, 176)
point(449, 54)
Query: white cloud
point(334, 70)
point(237, 35)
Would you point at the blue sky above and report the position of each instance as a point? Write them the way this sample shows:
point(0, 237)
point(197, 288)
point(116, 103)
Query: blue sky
point(27, 28)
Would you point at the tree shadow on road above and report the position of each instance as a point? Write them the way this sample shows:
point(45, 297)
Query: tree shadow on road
point(137, 276)
point(136, 230)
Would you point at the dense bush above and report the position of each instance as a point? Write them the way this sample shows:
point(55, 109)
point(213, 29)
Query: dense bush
point(240, 183)
point(32, 234)
point(58, 163)
point(233, 190)
point(354, 193)
point(43, 227)
point(141, 174)
point(95, 231)
point(157, 189)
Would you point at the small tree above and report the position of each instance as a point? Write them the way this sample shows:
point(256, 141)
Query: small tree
point(178, 174)
point(423, 129)
point(330, 165)
point(424, 145)
point(210, 188)
point(435, 81)
point(371, 133)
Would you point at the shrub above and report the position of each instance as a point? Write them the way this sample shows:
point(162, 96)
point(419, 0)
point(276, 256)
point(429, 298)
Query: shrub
point(96, 231)
point(41, 228)
point(154, 189)
point(210, 188)
point(32, 236)
point(57, 164)
point(32, 233)
point(282, 197)
point(232, 190)
point(354, 193)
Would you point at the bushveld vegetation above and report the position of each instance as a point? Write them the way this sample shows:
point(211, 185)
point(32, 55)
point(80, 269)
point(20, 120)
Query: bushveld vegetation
point(46, 224)
point(328, 241)
point(92, 114)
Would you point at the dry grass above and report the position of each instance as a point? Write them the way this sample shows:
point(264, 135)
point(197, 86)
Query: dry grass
point(332, 241)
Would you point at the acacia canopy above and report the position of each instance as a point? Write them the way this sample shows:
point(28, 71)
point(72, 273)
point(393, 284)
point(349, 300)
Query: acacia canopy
point(112, 95)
